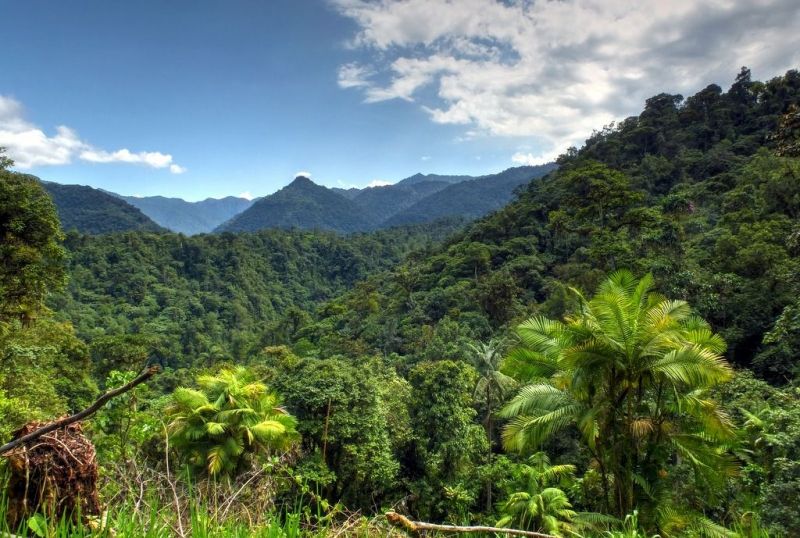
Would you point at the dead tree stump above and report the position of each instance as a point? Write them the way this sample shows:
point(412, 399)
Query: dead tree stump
point(55, 474)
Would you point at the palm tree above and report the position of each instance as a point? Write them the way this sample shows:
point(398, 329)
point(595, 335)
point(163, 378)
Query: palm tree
point(231, 417)
point(631, 370)
point(492, 389)
point(542, 507)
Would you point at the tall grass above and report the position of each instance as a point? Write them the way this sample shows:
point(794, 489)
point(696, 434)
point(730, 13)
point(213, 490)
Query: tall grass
point(196, 518)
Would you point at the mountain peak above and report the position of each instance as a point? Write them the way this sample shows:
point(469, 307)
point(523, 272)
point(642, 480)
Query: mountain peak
point(301, 180)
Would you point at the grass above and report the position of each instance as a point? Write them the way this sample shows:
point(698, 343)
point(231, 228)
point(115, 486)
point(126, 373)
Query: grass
point(152, 519)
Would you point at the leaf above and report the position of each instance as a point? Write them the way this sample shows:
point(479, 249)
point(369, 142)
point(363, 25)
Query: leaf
point(38, 525)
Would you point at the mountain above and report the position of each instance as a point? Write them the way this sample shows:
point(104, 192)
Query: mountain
point(381, 203)
point(350, 193)
point(92, 211)
point(471, 198)
point(189, 218)
point(422, 178)
point(301, 204)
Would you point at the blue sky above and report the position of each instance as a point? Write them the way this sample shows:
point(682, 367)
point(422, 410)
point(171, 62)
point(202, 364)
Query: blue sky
point(209, 98)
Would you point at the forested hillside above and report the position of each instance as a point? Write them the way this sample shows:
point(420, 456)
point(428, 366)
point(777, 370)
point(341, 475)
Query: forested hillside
point(381, 203)
point(471, 199)
point(196, 300)
point(92, 211)
point(691, 190)
point(301, 204)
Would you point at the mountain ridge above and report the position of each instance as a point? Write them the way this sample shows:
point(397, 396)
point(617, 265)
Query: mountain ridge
point(95, 212)
point(301, 204)
point(189, 218)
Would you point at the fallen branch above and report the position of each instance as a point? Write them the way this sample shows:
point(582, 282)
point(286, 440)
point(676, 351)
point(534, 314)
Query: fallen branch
point(415, 528)
point(62, 422)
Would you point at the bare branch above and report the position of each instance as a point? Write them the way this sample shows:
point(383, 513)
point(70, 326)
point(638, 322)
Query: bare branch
point(66, 421)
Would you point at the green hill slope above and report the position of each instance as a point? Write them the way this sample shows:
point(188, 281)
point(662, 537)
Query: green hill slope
point(470, 199)
point(92, 211)
point(690, 190)
point(304, 205)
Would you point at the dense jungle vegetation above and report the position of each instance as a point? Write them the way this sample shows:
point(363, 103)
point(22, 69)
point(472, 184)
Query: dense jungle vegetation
point(614, 353)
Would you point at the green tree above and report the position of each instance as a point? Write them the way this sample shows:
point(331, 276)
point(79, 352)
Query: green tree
point(231, 417)
point(491, 391)
point(348, 422)
point(31, 256)
point(542, 506)
point(449, 444)
point(631, 370)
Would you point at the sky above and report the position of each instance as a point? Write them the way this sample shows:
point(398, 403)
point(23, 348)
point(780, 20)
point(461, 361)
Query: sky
point(205, 98)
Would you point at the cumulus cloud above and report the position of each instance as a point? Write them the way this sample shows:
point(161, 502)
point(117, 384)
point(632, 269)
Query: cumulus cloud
point(554, 71)
point(303, 173)
point(30, 146)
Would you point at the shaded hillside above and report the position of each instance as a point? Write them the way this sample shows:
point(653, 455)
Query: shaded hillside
point(304, 205)
point(381, 203)
point(189, 217)
point(470, 199)
point(92, 211)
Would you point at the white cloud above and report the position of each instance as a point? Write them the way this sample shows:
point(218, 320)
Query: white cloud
point(247, 195)
point(30, 146)
point(379, 183)
point(555, 71)
point(425, 158)
point(303, 173)
point(353, 75)
point(529, 159)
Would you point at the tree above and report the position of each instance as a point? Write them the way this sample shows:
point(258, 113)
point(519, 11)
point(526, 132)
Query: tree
point(5, 161)
point(491, 390)
point(449, 444)
point(787, 135)
point(631, 371)
point(346, 421)
point(542, 506)
point(232, 417)
point(31, 256)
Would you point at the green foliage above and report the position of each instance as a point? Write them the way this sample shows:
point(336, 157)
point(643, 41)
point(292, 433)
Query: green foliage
point(542, 506)
point(31, 256)
point(764, 494)
point(230, 418)
point(187, 301)
point(631, 371)
point(353, 418)
point(698, 199)
point(448, 443)
point(44, 372)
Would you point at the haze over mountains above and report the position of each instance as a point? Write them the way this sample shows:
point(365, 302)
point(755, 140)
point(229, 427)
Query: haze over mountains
point(189, 218)
point(302, 204)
